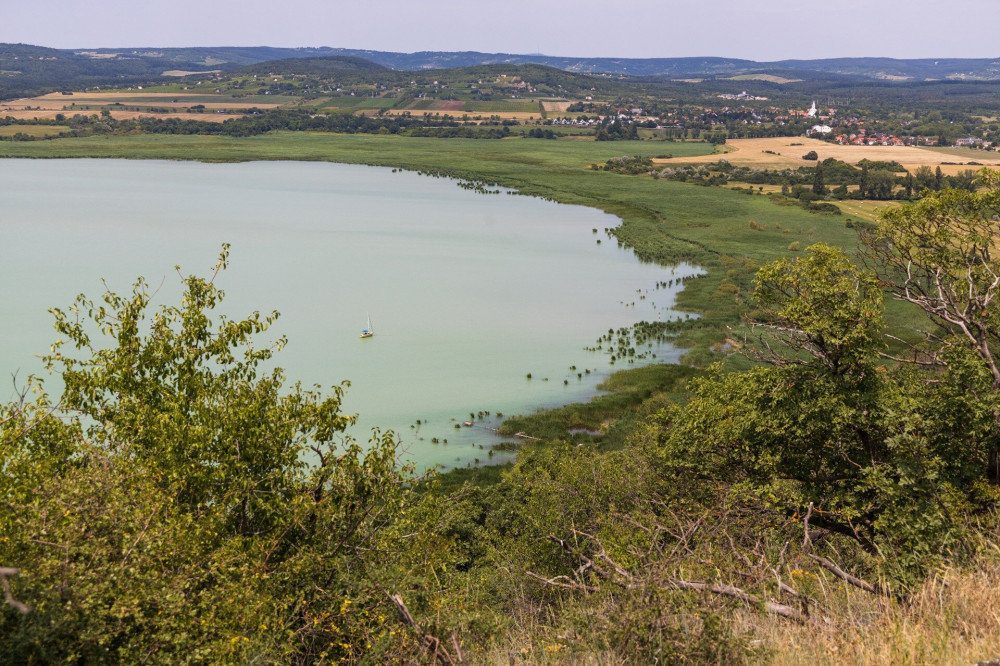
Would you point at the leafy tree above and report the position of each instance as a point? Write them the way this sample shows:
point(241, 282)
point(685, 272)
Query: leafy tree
point(924, 178)
point(823, 306)
point(880, 185)
point(964, 180)
point(179, 500)
point(819, 188)
point(891, 460)
point(939, 256)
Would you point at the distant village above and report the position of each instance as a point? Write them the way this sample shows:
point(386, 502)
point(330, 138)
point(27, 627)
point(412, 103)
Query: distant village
point(753, 122)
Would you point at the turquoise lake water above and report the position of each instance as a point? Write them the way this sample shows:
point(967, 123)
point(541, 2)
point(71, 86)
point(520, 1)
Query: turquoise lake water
point(467, 293)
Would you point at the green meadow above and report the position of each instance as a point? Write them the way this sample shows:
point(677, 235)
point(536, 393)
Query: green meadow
point(967, 153)
point(356, 103)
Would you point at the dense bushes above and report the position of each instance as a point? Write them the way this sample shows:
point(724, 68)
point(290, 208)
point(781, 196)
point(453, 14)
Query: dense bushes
point(167, 507)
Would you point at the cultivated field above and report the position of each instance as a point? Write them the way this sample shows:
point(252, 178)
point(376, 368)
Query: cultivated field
point(473, 115)
point(787, 152)
point(149, 103)
point(50, 114)
point(218, 107)
point(557, 106)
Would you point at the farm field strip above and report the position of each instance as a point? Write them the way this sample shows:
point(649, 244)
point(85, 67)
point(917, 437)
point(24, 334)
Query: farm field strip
point(787, 152)
point(66, 103)
point(52, 114)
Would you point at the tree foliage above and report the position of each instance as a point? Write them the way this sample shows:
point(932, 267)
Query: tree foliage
point(181, 500)
point(939, 255)
point(891, 459)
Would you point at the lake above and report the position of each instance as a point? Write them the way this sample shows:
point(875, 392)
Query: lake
point(467, 293)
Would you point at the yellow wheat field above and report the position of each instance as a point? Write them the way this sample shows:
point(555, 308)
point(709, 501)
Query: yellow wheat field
point(787, 152)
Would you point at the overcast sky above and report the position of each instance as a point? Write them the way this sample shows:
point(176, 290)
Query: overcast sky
point(762, 30)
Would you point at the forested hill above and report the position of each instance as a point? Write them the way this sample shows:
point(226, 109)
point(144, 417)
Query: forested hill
point(346, 70)
point(26, 70)
point(149, 61)
point(871, 68)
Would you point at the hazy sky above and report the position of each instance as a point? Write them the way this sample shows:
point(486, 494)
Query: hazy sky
point(762, 30)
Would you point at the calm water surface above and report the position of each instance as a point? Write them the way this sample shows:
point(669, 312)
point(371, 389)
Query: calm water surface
point(467, 293)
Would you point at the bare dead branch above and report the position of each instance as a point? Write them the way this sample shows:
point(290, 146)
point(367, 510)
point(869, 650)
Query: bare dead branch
point(855, 581)
point(804, 600)
point(806, 541)
point(618, 575)
point(736, 593)
point(565, 582)
point(432, 644)
point(145, 529)
point(5, 574)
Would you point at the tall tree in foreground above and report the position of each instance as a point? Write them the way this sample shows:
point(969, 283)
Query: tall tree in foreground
point(940, 255)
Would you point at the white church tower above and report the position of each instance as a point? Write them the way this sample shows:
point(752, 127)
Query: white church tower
point(812, 110)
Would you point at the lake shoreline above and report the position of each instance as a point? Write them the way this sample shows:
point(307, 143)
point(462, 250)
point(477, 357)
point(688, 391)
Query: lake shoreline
point(562, 390)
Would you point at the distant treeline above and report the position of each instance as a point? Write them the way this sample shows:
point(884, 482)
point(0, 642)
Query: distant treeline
point(263, 122)
point(287, 120)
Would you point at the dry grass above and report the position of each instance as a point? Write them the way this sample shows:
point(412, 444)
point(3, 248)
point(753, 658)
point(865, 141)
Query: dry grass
point(557, 107)
point(787, 152)
point(865, 210)
point(954, 618)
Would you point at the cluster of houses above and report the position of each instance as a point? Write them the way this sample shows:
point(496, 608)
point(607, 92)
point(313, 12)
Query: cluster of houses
point(743, 96)
point(514, 82)
point(819, 129)
point(861, 138)
point(880, 139)
point(575, 122)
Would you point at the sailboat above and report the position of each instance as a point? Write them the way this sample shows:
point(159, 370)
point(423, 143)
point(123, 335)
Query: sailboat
point(368, 331)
